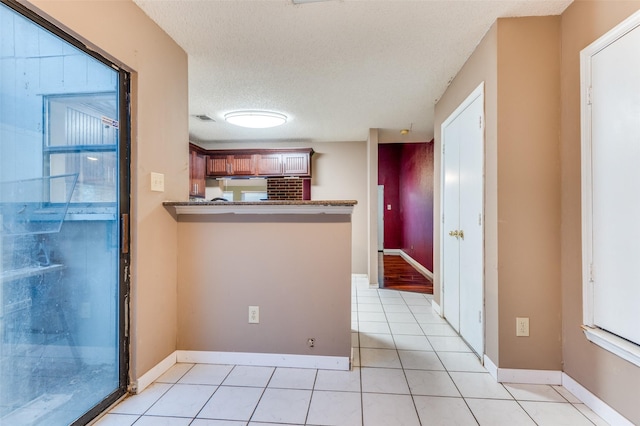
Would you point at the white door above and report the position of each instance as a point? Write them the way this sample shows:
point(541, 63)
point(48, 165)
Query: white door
point(463, 224)
point(471, 225)
point(450, 226)
point(615, 200)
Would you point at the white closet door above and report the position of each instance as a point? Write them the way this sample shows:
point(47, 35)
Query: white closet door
point(451, 210)
point(615, 179)
point(471, 223)
point(462, 204)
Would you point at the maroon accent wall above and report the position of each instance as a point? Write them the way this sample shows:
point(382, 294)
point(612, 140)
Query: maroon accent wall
point(406, 171)
point(416, 200)
point(389, 156)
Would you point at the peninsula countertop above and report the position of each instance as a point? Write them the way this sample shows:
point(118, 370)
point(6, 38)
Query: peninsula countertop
point(263, 207)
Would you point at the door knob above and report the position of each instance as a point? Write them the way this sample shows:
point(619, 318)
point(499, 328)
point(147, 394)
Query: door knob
point(461, 234)
point(453, 233)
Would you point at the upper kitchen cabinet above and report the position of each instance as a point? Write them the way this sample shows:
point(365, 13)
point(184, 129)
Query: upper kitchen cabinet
point(296, 164)
point(231, 165)
point(197, 171)
point(270, 165)
point(260, 162)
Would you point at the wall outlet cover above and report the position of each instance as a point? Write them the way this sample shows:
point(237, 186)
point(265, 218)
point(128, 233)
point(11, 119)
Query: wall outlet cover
point(254, 314)
point(522, 327)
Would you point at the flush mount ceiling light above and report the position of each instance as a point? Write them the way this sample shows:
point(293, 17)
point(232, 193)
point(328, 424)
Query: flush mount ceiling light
point(406, 131)
point(256, 119)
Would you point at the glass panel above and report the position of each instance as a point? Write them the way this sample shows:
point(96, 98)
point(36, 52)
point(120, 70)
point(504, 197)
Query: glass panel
point(59, 231)
point(253, 195)
point(96, 173)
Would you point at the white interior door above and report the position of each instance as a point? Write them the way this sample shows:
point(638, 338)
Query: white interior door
point(463, 221)
point(471, 224)
point(450, 227)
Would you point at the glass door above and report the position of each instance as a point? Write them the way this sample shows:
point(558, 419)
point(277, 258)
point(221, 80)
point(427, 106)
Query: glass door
point(64, 200)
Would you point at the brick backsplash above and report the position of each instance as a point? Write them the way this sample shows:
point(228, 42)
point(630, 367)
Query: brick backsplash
point(284, 189)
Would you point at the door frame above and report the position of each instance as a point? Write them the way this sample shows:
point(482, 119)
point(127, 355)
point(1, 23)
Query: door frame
point(472, 97)
point(380, 218)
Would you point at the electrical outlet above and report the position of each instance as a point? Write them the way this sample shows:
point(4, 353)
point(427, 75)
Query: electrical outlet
point(254, 314)
point(157, 182)
point(522, 327)
point(311, 342)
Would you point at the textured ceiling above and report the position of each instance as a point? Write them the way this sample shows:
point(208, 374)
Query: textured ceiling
point(336, 68)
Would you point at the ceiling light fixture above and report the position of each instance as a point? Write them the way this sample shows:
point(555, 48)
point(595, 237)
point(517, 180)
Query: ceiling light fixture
point(256, 119)
point(406, 131)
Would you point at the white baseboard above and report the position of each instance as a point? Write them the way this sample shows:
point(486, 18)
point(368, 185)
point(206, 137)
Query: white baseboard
point(424, 271)
point(392, 252)
point(516, 375)
point(266, 360)
point(532, 377)
point(552, 377)
point(152, 375)
point(436, 307)
point(598, 406)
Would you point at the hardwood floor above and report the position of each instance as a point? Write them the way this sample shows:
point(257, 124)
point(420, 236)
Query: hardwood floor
point(397, 274)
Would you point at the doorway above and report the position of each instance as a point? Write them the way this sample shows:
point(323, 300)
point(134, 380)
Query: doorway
point(462, 248)
point(64, 204)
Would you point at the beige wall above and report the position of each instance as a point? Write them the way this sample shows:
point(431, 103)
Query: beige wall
point(529, 191)
point(519, 62)
point(159, 144)
point(481, 66)
point(615, 381)
point(299, 276)
point(339, 173)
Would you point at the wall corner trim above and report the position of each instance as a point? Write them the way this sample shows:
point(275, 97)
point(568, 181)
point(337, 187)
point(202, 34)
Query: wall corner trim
point(598, 406)
point(491, 367)
point(266, 359)
point(436, 307)
point(152, 375)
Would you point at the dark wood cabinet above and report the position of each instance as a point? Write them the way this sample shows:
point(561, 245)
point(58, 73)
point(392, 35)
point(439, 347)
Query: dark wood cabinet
point(259, 162)
point(296, 164)
point(270, 165)
point(217, 165)
point(231, 165)
point(197, 172)
point(242, 164)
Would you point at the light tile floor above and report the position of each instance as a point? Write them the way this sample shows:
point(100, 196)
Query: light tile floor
point(410, 368)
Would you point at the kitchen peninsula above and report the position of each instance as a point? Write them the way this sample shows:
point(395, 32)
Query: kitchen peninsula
point(291, 259)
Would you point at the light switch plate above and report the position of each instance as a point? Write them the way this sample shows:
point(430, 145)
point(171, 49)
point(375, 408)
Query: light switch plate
point(157, 182)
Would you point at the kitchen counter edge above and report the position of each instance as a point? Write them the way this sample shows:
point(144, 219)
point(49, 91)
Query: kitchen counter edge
point(263, 207)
